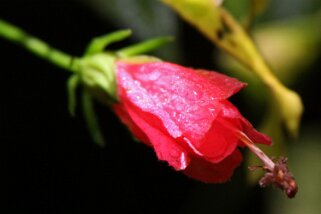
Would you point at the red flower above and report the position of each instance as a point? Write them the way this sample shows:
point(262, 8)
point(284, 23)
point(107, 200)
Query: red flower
point(185, 116)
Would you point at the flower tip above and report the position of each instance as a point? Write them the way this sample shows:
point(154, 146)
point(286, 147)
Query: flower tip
point(291, 192)
point(280, 177)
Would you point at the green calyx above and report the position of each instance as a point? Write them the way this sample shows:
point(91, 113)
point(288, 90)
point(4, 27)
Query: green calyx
point(97, 74)
point(96, 69)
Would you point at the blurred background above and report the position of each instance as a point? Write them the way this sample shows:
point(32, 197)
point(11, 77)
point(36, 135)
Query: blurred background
point(51, 164)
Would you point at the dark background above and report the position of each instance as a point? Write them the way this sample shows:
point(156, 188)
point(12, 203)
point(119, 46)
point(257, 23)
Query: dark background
point(51, 164)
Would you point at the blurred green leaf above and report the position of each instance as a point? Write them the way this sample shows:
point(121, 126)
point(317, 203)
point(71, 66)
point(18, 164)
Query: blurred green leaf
point(286, 9)
point(290, 46)
point(256, 8)
point(238, 8)
point(245, 11)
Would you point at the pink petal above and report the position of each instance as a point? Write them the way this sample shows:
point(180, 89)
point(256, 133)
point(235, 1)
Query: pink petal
point(232, 113)
point(134, 129)
point(207, 172)
point(218, 143)
point(253, 134)
point(226, 86)
point(186, 100)
point(220, 140)
point(165, 146)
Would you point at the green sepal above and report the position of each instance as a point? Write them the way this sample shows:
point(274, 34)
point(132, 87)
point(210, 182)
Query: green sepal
point(97, 74)
point(98, 44)
point(72, 84)
point(144, 47)
point(140, 59)
point(91, 119)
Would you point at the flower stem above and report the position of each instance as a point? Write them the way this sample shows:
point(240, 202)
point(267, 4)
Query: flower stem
point(36, 46)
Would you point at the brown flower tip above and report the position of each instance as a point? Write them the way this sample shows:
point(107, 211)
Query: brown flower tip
point(281, 177)
point(277, 173)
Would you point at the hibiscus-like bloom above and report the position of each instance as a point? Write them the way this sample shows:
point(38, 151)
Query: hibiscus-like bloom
point(184, 115)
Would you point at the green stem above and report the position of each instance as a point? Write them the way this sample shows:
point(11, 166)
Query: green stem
point(37, 46)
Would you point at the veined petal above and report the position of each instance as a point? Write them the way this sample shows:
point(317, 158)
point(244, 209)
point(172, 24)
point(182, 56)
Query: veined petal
point(186, 100)
point(208, 172)
point(218, 143)
point(221, 140)
point(225, 86)
point(134, 129)
point(184, 115)
point(232, 113)
point(164, 145)
point(253, 134)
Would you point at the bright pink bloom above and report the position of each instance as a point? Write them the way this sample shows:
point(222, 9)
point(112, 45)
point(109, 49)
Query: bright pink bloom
point(185, 116)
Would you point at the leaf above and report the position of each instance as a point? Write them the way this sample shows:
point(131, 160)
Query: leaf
point(203, 14)
point(91, 119)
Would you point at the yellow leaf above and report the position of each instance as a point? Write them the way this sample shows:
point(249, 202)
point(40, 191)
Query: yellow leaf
point(203, 14)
